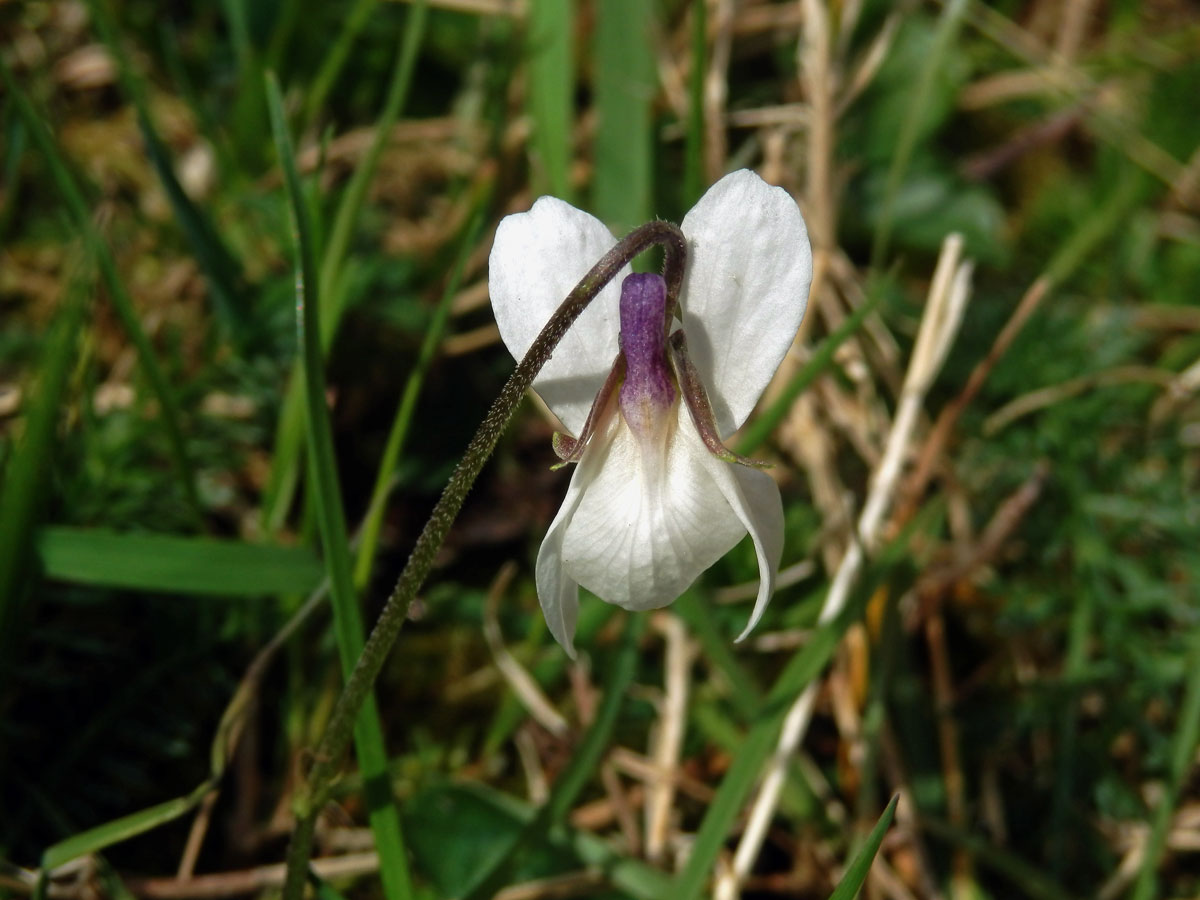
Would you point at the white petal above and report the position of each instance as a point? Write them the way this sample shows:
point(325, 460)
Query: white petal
point(537, 258)
point(646, 527)
point(758, 504)
point(746, 287)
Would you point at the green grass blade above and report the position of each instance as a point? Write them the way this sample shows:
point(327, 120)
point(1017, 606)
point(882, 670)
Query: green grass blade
point(1113, 213)
point(121, 301)
point(347, 617)
point(246, 115)
point(351, 204)
point(26, 478)
point(283, 31)
point(208, 122)
point(285, 466)
point(1029, 880)
point(852, 881)
point(947, 28)
point(221, 270)
point(551, 87)
point(122, 829)
point(335, 59)
point(757, 432)
point(1187, 738)
point(175, 565)
point(625, 83)
point(718, 650)
point(398, 435)
point(1088, 551)
point(10, 169)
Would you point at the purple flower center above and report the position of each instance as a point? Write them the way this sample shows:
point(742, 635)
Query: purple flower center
point(649, 388)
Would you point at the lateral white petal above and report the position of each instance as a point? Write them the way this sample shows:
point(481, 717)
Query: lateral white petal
point(745, 291)
point(761, 510)
point(537, 258)
point(754, 498)
point(651, 518)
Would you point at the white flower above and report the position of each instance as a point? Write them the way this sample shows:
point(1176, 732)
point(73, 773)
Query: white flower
point(650, 505)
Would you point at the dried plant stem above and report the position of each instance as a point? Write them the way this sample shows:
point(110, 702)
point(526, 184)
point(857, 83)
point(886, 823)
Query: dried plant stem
point(519, 681)
point(195, 838)
point(1073, 387)
point(668, 741)
point(1071, 29)
point(943, 314)
point(962, 871)
point(817, 75)
point(716, 90)
point(248, 881)
point(814, 58)
point(311, 796)
point(931, 451)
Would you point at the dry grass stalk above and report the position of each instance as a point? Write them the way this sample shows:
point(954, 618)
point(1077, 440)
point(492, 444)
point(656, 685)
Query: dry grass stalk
point(471, 341)
point(962, 876)
point(517, 9)
point(1073, 387)
point(935, 444)
point(1106, 118)
point(1072, 28)
point(518, 679)
point(604, 811)
point(805, 438)
point(574, 884)
point(748, 590)
point(716, 88)
point(867, 67)
point(195, 838)
point(531, 766)
point(934, 585)
point(622, 807)
point(820, 82)
point(637, 766)
point(667, 739)
point(248, 881)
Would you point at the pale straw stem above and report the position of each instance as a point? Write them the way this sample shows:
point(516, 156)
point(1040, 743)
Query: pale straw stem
point(668, 741)
point(523, 685)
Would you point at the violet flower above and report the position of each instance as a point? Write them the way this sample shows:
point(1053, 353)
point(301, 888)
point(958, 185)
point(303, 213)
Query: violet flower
point(656, 498)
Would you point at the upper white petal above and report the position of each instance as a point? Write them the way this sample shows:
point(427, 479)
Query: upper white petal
point(746, 288)
point(646, 527)
point(537, 258)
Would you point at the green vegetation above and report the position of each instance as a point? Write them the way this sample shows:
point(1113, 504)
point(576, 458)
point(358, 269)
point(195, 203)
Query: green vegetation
point(246, 339)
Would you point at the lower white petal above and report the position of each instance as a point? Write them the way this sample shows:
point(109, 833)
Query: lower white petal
point(647, 524)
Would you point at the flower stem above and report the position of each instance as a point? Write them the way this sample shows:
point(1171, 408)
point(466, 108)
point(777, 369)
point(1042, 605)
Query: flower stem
point(313, 794)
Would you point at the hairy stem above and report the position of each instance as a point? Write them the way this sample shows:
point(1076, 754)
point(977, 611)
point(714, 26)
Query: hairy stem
point(311, 797)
